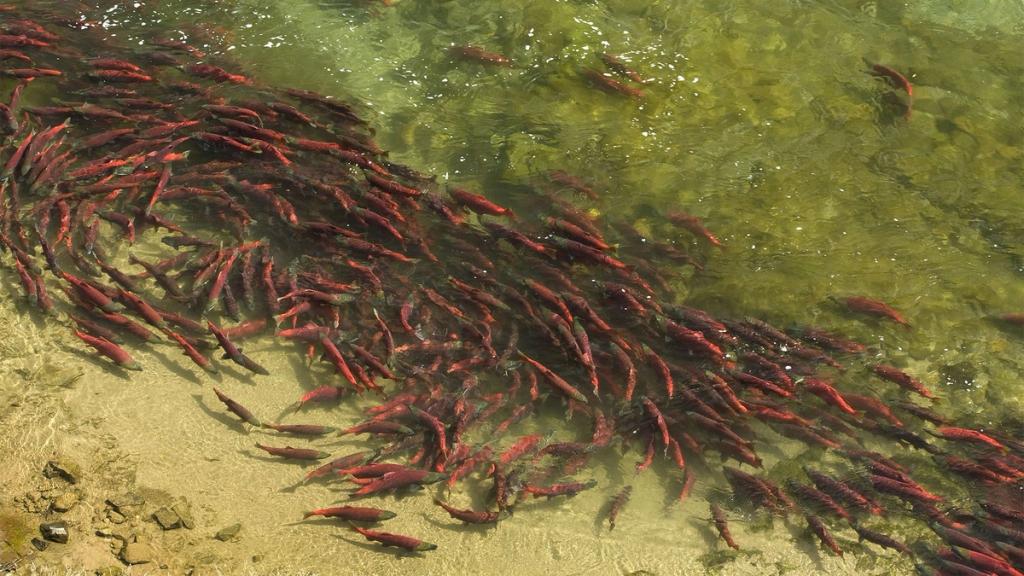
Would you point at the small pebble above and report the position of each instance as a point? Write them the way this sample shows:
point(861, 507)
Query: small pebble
point(228, 533)
point(65, 502)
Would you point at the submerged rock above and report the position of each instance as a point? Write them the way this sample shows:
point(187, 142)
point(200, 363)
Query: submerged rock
point(136, 553)
point(123, 503)
point(167, 519)
point(228, 533)
point(65, 502)
point(64, 469)
point(55, 531)
point(184, 512)
point(107, 533)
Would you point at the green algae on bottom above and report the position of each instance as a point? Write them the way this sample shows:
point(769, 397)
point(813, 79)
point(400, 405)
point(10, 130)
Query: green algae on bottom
point(16, 531)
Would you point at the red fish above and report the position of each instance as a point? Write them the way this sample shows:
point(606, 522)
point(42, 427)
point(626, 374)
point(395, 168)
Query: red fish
point(1014, 318)
point(110, 350)
point(570, 181)
point(692, 339)
point(28, 283)
point(893, 374)
point(392, 187)
point(165, 175)
point(609, 84)
point(828, 340)
point(94, 328)
point(216, 74)
point(723, 388)
point(143, 309)
point(873, 307)
point(819, 528)
point(874, 407)
point(563, 489)
point(830, 395)
point(190, 350)
point(881, 539)
point(373, 362)
point(694, 225)
point(334, 356)
point(659, 419)
point(523, 445)
point(688, 483)
point(321, 394)
point(968, 435)
point(375, 470)
point(555, 380)
point(842, 491)
point(115, 64)
point(103, 138)
point(986, 561)
point(15, 55)
point(130, 326)
point(233, 352)
point(480, 55)
point(308, 333)
point(747, 485)
point(470, 516)
point(379, 427)
point(301, 429)
point(616, 505)
point(435, 424)
point(769, 414)
point(902, 490)
point(20, 41)
point(119, 76)
point(294, 453)
point(31, 72)
point(972, 469)
point(626, 363)
point(468, 465)
point(1009, 513)
point(574, 232)
point(341, 463)
point(618, 65)
point(245, 329)
point(397, 540)
point(515, 237)
point(896, 78)
point(722, 525)
point(92, 294)
point(18, 154)
point(352, 513)
point(478, 203)
point(587, 252)
point(958, 538)
point(818, 498)
point(397, 480)
point(371, 248)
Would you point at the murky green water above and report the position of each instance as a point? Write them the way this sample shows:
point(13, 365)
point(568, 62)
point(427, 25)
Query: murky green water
point(757, 116)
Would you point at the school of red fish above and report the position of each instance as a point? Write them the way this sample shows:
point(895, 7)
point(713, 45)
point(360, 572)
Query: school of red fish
point(278, 214)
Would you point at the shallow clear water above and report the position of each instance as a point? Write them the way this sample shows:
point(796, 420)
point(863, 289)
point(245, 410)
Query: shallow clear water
point(758, 117)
